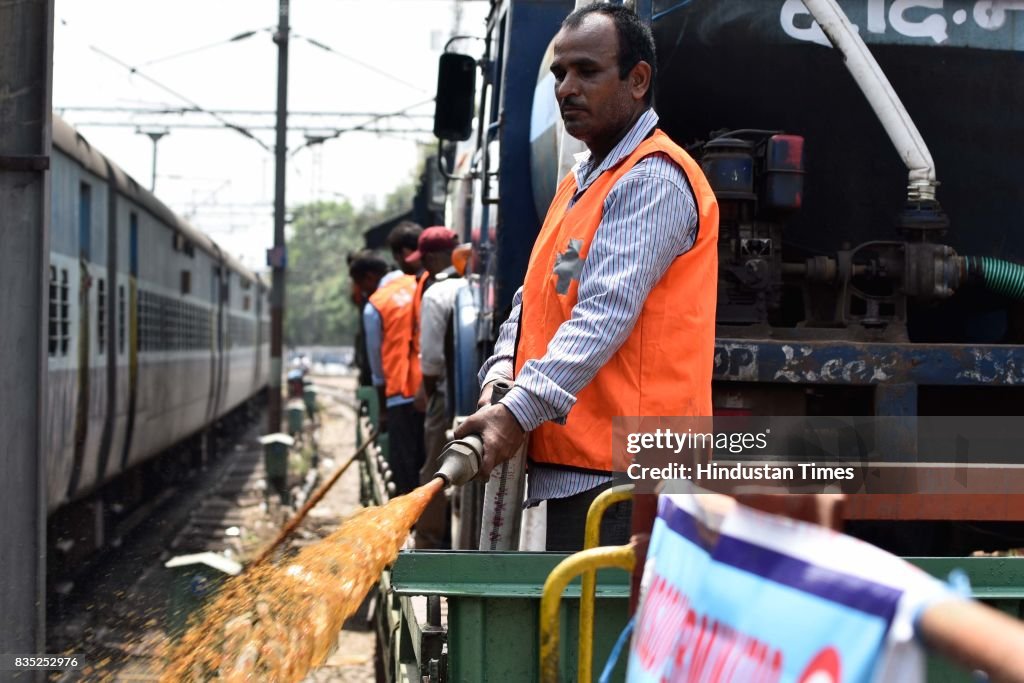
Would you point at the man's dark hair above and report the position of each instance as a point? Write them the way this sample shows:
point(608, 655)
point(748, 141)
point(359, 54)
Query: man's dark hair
point(636, 44)
point(404, 235)
point(363, 263)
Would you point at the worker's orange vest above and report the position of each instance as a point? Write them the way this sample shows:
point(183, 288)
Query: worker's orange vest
point(417, 310)
point(401, 364)
point(664, 367)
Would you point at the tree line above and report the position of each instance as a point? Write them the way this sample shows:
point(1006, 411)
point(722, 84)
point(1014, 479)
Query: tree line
point(320, 236)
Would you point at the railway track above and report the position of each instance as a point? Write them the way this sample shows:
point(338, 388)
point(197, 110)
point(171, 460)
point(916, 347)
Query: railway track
point(124, 607)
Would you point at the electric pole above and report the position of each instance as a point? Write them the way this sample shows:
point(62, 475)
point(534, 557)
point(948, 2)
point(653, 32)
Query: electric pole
point(278, 258)
point(26, 77)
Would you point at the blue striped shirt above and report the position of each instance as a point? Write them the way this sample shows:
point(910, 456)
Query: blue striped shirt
point(649, 218)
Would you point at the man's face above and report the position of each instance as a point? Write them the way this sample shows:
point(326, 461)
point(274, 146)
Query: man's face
point(596, 104)
point(362, 287)
point(408, 268)
point(435, 262)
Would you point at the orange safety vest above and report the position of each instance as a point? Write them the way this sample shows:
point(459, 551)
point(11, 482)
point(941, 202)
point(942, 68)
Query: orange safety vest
point(664, 367)
point(401, 365)
point(417, 310)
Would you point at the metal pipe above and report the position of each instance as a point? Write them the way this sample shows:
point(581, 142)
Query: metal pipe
point(591, 539)
point(623, 557)
point(880, 95)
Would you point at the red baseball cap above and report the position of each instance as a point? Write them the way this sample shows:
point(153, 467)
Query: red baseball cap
point(432, 240)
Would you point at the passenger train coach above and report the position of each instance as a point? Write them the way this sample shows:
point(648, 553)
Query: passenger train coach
point(154, 333)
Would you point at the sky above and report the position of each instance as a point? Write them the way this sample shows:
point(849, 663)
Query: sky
point(382, 59)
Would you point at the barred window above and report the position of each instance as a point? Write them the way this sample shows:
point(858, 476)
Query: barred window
point(101, 314)
point(170, 324)
point(54, 314)
point(241, 331)
point(65, 323)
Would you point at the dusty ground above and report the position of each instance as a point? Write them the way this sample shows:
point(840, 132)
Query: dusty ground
point(122, 617)
point(352, 660)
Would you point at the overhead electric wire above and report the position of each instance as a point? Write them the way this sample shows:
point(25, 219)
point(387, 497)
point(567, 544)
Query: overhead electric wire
point(321, 133)
point(361, 127)
point(365, 65)
point(171, 110)
point(194, 50)
point(224, 122)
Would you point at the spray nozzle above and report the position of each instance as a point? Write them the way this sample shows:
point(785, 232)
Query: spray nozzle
point(460, 460)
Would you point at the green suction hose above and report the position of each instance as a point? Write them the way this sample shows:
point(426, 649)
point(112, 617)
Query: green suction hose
point(1002, 277)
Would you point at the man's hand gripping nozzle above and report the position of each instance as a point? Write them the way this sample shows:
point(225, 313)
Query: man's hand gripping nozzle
point(460, 460)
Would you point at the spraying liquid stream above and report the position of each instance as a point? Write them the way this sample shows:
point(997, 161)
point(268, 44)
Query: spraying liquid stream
point(277, 621)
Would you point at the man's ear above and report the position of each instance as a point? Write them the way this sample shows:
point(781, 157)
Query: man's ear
point(640, 80)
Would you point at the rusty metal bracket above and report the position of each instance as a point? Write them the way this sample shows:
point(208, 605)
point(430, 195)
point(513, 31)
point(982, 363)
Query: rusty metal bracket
point(30, 162)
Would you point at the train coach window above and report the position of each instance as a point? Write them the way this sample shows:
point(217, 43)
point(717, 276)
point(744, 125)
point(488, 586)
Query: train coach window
point(120, 319)
point(65, 323)
point(246, 303)
point(145, 317)
point(54, 317)
point(186, 282)
point(101, 314)
point(164, 325)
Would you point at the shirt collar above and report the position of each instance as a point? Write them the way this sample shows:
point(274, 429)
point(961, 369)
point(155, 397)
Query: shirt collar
point(585, 175)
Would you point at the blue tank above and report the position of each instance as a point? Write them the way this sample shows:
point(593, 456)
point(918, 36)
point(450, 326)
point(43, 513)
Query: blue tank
point(956, 64)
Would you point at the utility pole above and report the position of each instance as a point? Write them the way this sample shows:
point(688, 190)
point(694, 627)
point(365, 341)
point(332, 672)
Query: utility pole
point(26, 75)
point(278, 257)
point(155, 136)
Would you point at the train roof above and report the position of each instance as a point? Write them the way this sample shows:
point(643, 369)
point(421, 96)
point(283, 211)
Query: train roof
point(74, 144)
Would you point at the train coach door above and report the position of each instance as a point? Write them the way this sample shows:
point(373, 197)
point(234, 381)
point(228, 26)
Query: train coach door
point(227, 340)
point(133, 333)
point(217, 342)
point(106, 322)
point(84, 328)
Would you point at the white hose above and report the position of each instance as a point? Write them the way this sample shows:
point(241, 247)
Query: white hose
point(880, 95)
point(503, 496)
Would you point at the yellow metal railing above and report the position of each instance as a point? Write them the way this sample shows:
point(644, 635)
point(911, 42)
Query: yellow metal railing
point(591, 539)
point(623, 557)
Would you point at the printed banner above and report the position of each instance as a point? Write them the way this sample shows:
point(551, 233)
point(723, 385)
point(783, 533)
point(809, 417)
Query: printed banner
point(744, 596)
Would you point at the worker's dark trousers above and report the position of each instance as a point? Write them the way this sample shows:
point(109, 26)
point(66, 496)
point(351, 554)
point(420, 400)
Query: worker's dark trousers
point(405, 442)
point(431, 526)
point(567, 521)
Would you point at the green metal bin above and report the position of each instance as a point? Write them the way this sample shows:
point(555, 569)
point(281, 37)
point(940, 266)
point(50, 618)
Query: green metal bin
point(493, 602)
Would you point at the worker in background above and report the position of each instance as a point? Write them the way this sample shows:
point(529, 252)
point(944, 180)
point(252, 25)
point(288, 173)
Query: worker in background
point(434, 254)
point(394, 366)
point(616, 315)
point(368, 263)
point(436, 245)
point(403, 240)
